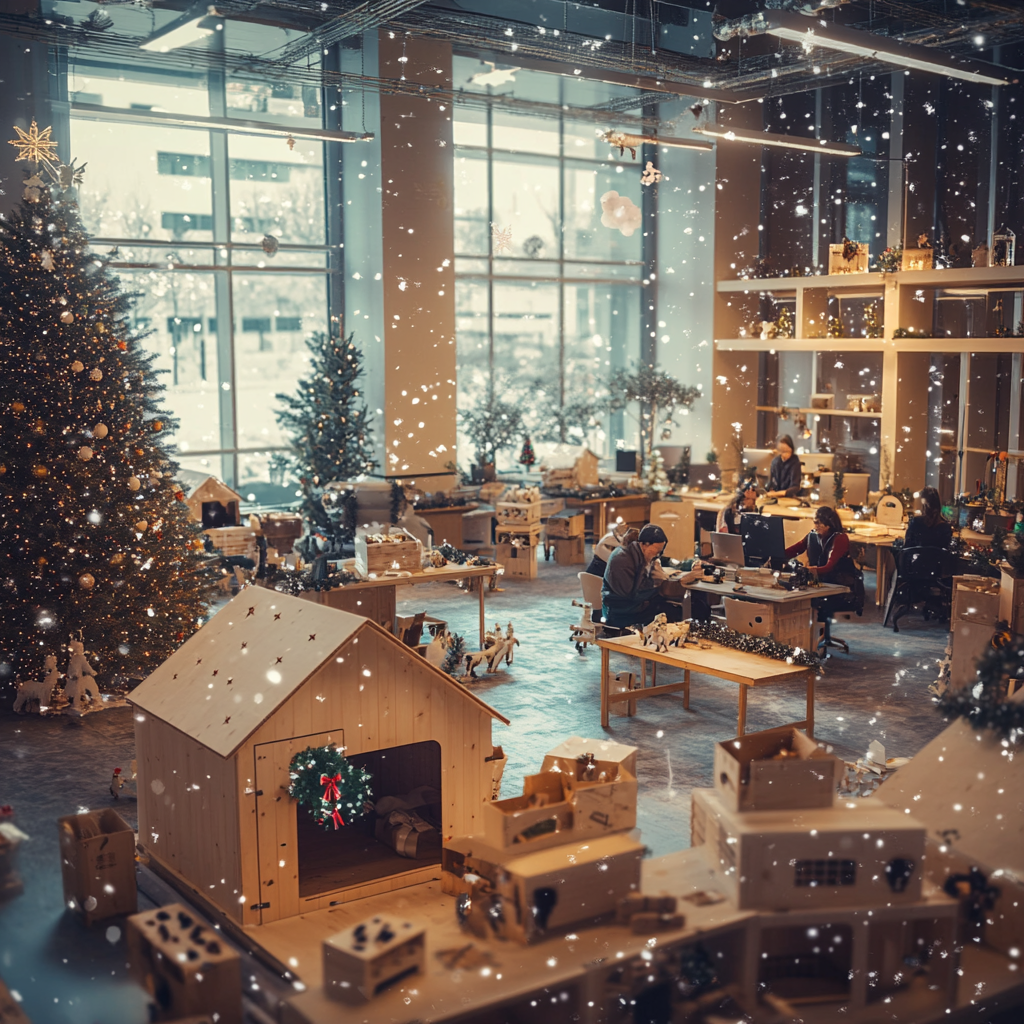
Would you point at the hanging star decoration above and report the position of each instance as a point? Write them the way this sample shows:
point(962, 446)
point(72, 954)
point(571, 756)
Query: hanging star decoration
point(502, 238)
point(651, 175)
point(34, 146)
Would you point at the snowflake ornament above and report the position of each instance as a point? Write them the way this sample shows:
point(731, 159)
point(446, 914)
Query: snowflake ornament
point(620, 212)
point(502, 238)
point(34, 146)
point(651, 175)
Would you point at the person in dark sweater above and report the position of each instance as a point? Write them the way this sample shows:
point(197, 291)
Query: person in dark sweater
point(929, 529)
point(744, 500)
point(784, 472)
point(631, 594)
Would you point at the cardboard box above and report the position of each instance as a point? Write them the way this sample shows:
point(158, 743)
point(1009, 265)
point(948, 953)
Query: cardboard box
point(569, 751)
point(97, 852)
point(363, 961)
point(778, 768)
point(185, 965)
point(1011, 600)
point(857, 265)
point(517, 513)
point(755, 618)
point(975, 599)
point(569, 550)
point(409, 835)
point(375, 554)
point(970, 641)
point(519, 559)
point(567, 523)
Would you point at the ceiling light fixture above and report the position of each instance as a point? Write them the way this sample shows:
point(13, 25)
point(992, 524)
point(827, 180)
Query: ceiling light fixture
point(633, 141)
point(191, 27)
point(794, 28)
point(751, 135)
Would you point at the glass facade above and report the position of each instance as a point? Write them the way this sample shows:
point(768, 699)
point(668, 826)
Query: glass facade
point(547, 299)
point(187, 210)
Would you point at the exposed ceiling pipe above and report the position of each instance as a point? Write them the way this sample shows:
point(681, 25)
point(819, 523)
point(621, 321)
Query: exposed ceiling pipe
point(745, 27)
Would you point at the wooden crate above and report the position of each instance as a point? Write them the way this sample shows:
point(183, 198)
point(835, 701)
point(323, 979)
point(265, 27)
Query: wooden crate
point(566, 524)
point(857, 265)
point(377, 555)
point(234, 540)
point(519, 560)
point(1011, 600)
point(185, 964)
point(918, 259)
point(367, 958)
point(676, 518)
point(976, 599)
point(97, 855)
point(569, 550)
point(970, 641)
point(750, 775)
point(517, 513)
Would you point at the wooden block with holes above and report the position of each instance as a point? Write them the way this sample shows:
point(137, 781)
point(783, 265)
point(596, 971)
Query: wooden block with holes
point(517, 513)
point(363, 961)
point(517, 550)
point(185, 965)
point(97, 859)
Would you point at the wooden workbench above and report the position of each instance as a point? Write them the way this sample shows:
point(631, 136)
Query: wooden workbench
point(747, 670)
point(446, 522)
point(634, 509)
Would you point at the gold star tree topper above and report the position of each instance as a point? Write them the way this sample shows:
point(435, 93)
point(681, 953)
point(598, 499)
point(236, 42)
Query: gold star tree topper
point(35, 146)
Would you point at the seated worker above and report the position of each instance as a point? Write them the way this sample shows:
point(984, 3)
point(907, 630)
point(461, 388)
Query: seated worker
point(744, 500)
point(930, 529)
point(631, 594)
point(828, 555)
point(784, 472)
point(618, 535)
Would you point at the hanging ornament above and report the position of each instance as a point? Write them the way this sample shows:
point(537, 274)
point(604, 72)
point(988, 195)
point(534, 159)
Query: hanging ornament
point(100, 431)
point(134, 483)
point(17, 407)
point(87, 581)
point(34, 188)
point(96, 374)
point(269, 244)
point(651, 175)
point(620, 212)
point(77, 366)
point(141, 526)
point(67, 317)
point(39, 471)
point(46, 260)
point(291, 142)
point(34, 146)
point(85, 453)
point(158, 425)
point(3, 469)
point(155, 479)
point(117, 559)
point(333, 790)
point(502, 238)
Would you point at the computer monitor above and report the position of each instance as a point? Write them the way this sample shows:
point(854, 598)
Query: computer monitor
point(727, 548)
point(813, 463)
point(758, 460)
point(764, 540)
point(856, 485)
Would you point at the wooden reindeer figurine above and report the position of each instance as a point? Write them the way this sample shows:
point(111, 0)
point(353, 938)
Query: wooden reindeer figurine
point(38, 693)
point(81, 678)
point(510, 644)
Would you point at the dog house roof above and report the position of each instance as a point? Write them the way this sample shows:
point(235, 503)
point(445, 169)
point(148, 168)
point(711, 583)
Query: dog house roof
point(234, 673)
point(198, 486)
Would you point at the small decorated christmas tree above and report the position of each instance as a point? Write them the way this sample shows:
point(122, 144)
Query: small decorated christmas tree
point(98, 545)
point(657, 479)
point(835, 327)
point(784, 324)
point(330, 427)
point(872, 329)
point(527, 457)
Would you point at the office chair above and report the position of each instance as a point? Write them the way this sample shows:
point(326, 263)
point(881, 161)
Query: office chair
point(924, 575)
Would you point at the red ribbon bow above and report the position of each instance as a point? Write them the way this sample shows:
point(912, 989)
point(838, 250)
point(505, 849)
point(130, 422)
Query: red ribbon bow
point(336, 816)
point(331, 782)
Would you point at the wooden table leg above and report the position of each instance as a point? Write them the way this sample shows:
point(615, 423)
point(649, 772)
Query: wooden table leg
point(631, 705)
point(605, 683)
point(742, 725)
point(600, 520)
point(879, 574)
point(483, 623)
point(810, 704)
point(686, 689)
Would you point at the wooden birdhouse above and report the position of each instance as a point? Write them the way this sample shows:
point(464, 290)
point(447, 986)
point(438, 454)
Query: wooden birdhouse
point(214, 504)
point(218, 724)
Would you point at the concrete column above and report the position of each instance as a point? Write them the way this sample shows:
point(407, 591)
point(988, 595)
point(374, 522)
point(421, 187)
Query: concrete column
point(418, 271)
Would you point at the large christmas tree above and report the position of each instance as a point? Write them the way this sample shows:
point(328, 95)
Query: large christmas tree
point(98, 544)
point(329, 424)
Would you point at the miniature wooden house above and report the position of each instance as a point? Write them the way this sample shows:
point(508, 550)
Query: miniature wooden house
point(218, 724)
point(214, 504)
point(570, 466)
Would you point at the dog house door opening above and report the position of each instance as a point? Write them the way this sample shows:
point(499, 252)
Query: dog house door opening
point(401, 833)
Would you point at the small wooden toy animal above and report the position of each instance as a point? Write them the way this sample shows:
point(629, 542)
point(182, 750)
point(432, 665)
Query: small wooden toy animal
point(438, 648)
point(661, 634)
point(492, 656)
point(38, 693)
point(81, 678)
point(495, 637)
point(585, 632)
point(511, 643)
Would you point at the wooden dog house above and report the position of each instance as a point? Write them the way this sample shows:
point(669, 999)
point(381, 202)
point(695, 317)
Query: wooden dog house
point(213, 504)
point(219, 722)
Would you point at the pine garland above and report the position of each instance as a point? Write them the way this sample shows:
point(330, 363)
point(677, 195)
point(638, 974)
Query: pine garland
point(459, 557)
point(455, 656)
point(766, 646)
point(984, 704)
point(330, 787)
point(296, 583)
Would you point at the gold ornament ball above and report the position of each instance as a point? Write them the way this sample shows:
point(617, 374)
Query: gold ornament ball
point(85, 453)
point(77, 366)
point(100, 430)
point(96, 374)
point(3, 469)
point(87, 581)
point(134, 483)
point(17, 407)
point(158, 425)
point(39, 471)
point(142, 526)
point(67, 317)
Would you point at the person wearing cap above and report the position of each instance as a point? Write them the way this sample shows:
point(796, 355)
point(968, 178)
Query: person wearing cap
point(631, 592)
point(618, 535)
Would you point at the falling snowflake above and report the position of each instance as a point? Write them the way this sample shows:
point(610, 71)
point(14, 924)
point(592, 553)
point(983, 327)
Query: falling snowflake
point(651, 175)
point(502, 238)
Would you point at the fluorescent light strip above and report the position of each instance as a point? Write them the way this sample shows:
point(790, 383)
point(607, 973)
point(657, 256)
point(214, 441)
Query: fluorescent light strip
point(794, 28)
point(240, 127)
point(719, 131)
point(182, 32)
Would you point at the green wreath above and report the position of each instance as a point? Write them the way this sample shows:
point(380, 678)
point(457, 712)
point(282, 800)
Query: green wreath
point(984, 703)
point(329, 786)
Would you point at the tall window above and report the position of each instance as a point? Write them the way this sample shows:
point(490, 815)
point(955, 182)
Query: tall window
point(547, 298)
point(186, 213)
